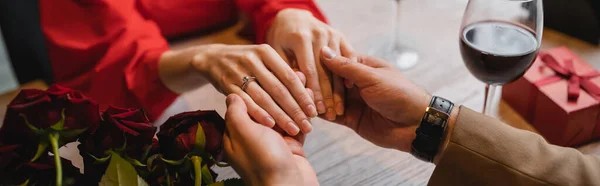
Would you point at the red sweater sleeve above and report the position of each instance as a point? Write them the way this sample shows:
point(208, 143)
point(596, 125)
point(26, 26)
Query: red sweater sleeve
point(106, 49)
point(262, 12)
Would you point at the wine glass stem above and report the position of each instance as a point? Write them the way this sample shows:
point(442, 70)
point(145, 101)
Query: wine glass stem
point(490, 90)
point(396, 28)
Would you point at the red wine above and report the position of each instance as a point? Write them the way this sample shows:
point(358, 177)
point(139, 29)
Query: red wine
point(497, 52)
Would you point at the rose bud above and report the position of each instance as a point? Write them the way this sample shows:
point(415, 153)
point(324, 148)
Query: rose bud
point(44, 109)
point(126, 132)
point(177, 136)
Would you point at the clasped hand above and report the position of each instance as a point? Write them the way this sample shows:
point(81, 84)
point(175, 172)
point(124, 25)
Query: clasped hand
point(381, 106)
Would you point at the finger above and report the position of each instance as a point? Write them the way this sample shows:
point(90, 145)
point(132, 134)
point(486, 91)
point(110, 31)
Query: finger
point(302, 77)
point(294, 145)
point(257, 112)
point(237, 116)
point(264, 100)
point(292, 82)
point(306, 62)
point(346, 49)
point(348, 83)
point(283, 56)
point(371, 61)
point(338, 95)
point(310, 92)
point(325, 78)
point(227, 146)
point(354, 110)
point(300, 138)
point(358, 73)
point(337, 84)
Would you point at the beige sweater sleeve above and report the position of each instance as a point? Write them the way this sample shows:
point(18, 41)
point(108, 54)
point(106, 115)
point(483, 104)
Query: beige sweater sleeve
point(485, 151)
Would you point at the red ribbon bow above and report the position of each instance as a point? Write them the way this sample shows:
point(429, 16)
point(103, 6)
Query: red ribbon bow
point(576, 81)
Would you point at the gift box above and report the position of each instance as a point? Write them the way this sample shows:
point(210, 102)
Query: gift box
point(560, 96)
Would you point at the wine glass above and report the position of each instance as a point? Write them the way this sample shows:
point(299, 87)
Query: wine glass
point(499, 40)
point(394, 52)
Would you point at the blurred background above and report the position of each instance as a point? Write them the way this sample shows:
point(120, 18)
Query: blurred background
point(7, 78)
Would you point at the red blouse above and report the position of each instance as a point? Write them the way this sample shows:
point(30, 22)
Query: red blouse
point(109, 49)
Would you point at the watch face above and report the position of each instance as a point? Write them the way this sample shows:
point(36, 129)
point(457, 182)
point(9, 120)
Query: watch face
point(434, 120)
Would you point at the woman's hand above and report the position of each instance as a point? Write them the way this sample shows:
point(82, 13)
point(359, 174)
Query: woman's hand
point(260, 155)
point(277, 96)
point(298, 36)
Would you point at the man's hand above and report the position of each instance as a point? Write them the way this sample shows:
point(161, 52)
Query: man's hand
point(383, 107)
point(260, 155)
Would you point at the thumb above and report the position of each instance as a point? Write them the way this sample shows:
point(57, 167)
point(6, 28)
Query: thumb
point(237, 115)
point(353, 71)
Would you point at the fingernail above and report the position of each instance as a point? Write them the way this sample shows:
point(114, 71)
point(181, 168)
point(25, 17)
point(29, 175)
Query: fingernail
point(306, 126)
point(330, 114)
point(293, 129)
point(339, 109)
point(312, 111)
point(328, 53)
point(321, 107)
point(271, 121)
point(230, 99)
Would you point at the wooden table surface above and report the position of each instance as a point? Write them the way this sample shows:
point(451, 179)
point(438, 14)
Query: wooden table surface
point(339, 156)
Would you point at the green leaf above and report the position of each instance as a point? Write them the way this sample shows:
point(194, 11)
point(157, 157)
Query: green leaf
point(60, 124)
point(119, 172)
point(206, 175)
point(219, 164)
point(229, 182)
point(40, 150)
point(150, 161)
point(200, 140)
point(33, 128)
point(100, 160)
point(174, 162)
point(135, 162)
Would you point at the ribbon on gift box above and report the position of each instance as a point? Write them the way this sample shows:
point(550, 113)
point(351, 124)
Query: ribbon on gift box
point(567, 71)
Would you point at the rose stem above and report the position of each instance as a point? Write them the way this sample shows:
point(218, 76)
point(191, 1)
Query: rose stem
point(197, 169)
point(54, 141)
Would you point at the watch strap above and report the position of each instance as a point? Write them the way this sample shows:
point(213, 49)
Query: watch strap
point(430, 133)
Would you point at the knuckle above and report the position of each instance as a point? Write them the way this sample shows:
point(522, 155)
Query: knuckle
point(260, 98)
point(263, 48)
point(320, 33)
point(282, 117)
point(291, 77)
point(327, 96)
point(279, 92)
point(299, 35)
point(310, 73)
point(306, 99)
point(298, 113)
point(248, 58)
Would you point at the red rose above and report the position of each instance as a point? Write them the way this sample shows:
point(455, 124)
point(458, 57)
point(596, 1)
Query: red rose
point(127, 132)
point(44, 109)
point(129, 128)
point(177, 135)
